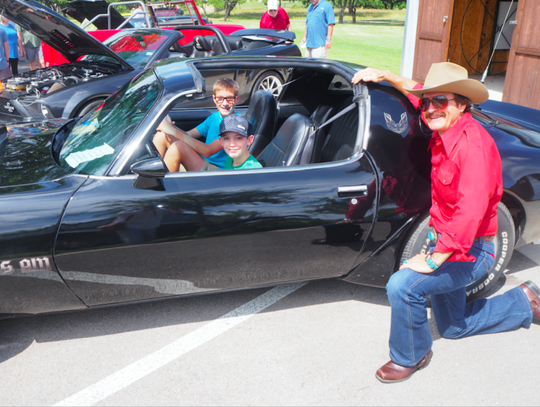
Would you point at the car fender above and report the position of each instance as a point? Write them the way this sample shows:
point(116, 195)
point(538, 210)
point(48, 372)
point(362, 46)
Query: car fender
point(67, 102)
point(29, 280)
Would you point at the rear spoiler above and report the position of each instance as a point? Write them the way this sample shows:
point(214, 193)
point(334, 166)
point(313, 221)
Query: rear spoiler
point(266, 32)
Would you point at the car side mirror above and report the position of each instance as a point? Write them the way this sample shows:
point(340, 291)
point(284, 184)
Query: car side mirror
point(149, 174)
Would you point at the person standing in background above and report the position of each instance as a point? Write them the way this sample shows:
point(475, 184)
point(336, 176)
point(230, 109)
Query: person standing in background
point(14, 39)
point(30, 48)
point(320, 21)
point(276, 17)
point(5, 72)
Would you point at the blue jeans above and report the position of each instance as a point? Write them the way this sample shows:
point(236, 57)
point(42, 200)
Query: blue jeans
point(410, 338)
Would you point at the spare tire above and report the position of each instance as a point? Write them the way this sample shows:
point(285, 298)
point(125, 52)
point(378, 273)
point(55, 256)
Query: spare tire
point(417, 242)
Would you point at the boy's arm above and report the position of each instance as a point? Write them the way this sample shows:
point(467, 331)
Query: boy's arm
point(167, 127)
point(206, 150)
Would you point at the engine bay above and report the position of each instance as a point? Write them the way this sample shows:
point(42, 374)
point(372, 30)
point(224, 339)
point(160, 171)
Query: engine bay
point(45, 81)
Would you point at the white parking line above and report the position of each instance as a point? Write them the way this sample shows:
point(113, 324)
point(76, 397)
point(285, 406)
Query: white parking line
point(143, 367)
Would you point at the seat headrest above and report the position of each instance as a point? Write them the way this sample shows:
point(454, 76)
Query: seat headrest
point(235, 43)
point(200, 44)
point(216, 47)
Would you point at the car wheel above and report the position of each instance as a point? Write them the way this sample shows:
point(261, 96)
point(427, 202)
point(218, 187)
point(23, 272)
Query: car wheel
point(270, 81)
point(89, 107)
point(417, 242)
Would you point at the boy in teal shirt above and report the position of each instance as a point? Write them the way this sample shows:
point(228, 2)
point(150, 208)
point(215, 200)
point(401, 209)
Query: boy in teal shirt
point(235, 141)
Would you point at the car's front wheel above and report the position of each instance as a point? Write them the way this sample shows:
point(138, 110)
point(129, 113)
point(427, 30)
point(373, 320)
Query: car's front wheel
point(88, 107)
point(270, 81)
point(417, 242)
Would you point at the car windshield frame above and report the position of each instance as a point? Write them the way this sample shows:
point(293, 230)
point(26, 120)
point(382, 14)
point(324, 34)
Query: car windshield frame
point(98, 137)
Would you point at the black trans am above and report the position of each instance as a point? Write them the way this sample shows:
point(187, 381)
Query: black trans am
point(96, 70)
point(91, 216)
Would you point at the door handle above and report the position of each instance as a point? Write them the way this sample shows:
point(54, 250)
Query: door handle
point(352, 192)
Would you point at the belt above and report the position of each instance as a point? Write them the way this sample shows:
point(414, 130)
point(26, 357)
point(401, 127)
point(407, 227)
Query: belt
point(434, 236)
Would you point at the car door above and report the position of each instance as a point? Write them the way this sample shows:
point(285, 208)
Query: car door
point(212, 231)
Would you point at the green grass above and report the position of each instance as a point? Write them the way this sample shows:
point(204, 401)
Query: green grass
point(375, 40)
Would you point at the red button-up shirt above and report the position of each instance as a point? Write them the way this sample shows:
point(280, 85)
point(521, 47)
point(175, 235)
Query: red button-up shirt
point(280, 22)
point(466, 186)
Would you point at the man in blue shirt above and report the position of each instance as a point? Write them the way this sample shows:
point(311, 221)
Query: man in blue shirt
point(320, 21)
point(5, 72)
point(178, 147)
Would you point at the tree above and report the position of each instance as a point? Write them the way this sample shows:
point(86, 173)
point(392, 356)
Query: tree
point(389, 4)
point(227, 5)
point(340, 5)
point(56, 5)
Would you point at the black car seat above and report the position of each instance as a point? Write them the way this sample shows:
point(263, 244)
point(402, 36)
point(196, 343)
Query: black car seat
point(235, 42)
point(217, 47)
point(341, 138)
point(286, 148)
point(261, 116)
point(201, 47)
point(319, 116)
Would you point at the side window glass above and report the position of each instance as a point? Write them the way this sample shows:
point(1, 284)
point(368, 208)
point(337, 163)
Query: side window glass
point(210, 77)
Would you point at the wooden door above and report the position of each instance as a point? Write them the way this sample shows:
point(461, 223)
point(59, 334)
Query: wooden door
point(432, 35)
point(522, 84)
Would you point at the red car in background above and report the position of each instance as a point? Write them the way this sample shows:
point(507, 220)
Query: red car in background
point(105, 17)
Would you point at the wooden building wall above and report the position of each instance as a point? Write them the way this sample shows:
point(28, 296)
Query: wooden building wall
point(472, 35)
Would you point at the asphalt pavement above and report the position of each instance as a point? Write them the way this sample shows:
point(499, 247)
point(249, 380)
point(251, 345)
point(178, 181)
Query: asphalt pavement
point(306, 344)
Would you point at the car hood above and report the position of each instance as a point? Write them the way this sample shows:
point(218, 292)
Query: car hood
point(26, 154)
point(88, 9)
point(55, 30)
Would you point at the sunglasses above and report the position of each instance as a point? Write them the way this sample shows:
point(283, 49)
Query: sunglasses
point(438, 102)
point(220, 99)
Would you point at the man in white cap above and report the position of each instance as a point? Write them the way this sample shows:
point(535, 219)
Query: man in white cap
point(466, 182)
point(275, 17)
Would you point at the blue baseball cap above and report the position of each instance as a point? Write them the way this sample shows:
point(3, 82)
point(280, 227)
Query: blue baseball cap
point(234, 122)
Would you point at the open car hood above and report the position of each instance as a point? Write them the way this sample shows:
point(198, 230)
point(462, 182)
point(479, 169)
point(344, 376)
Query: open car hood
point(88, 9)
point(55, 30)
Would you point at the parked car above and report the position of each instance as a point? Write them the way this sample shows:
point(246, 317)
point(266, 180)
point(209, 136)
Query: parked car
point(95, 70)
point(157, 15)
point(105, 17)
point(91, 216)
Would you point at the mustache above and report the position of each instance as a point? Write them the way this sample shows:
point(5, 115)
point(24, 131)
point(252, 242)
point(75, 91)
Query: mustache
point(430, 115)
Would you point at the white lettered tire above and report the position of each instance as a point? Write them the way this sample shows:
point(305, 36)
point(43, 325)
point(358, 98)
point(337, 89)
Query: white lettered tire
point(417, 242)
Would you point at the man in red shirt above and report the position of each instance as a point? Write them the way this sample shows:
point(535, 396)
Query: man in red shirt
point(466, 182)
point(276, 17)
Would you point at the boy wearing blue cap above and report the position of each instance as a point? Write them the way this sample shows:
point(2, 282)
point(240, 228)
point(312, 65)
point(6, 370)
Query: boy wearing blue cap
point(235, 140)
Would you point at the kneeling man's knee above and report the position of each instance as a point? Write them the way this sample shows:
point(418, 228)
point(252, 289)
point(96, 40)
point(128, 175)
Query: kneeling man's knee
point(396, 288)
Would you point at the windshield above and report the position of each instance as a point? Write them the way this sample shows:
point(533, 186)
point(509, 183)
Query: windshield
point(100, 135)
point(137, 48)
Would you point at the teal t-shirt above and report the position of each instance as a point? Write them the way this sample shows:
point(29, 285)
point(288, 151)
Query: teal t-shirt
point(210, 129)
point(251, 162)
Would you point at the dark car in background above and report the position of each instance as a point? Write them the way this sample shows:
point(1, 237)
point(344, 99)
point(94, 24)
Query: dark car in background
point(91, 216)
point(96, 70)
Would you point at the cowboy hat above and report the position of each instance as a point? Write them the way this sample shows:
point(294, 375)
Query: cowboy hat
point(452, 78)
